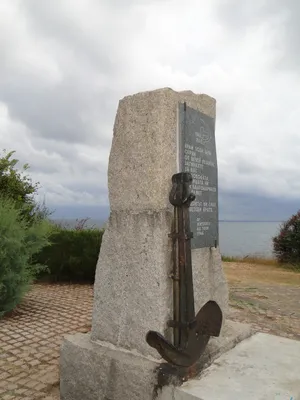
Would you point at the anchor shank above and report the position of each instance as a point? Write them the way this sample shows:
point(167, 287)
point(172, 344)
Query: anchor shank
point(187, 308)
point(184, 310)
point(182, 282)
point(176, 284)
point(191, 332)
point(190, 305)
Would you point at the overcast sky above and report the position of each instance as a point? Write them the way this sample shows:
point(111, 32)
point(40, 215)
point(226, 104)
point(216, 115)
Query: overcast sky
point(64, 64)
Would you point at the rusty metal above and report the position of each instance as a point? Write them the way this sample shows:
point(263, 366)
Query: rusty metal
point(191, 332)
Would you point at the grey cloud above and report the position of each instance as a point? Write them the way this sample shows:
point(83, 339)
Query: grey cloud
point(58, 113)
point(44, 168)
point(238, 16)
point(291, 37)
point(245, 167)
point(248, 207)
point(233, 206)
point(63, 74)
point(99, 213)
point(51, 20)
point(87, 186)
point(74, 106)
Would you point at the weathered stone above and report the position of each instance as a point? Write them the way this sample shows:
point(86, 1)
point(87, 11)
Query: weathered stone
point(97, 370)
point(262, 367)
point(144, 154)
point(94, 371)
point(133, 290)
point(232, 334)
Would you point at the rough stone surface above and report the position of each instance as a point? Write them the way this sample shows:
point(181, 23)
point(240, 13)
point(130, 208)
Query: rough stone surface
point(263, 367)
point(209, 279)
point(97, 370)
point(143, 155)
point(133, 291)
point(93, 371)
point(232, 334)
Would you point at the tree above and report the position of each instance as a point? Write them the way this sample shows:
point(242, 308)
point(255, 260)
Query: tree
point(17, 186)
point(286, 244)
point(19, 242)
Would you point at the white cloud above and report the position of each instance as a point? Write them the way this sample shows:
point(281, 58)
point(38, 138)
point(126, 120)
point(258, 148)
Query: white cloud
point(65, 64)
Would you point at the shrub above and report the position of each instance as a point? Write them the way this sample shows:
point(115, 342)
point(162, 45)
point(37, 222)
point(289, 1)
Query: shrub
point(16, 185)
point(286, 245)
point(72, 255)
point(19, 241)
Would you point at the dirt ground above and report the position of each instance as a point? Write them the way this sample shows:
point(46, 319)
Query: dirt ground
point(266, 297)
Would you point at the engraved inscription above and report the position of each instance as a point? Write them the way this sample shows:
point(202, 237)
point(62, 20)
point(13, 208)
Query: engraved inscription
point(197, 155)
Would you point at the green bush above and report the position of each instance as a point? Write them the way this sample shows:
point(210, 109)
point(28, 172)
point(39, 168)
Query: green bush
point(19, 241)
point(286, 245)
point(72, 255)
point(18, 187)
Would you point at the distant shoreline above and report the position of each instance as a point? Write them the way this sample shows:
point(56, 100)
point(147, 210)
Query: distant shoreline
point(221, 220)
point(237, 238)
point(228, 220)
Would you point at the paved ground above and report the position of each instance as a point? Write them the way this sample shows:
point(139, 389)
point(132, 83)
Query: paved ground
point(30, 338)
point(259, 368)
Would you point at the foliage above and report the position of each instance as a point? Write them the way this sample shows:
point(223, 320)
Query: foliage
point(81, 224)
point(286, 245)
point(17, 186)
point(72, 255)
point(229, 259)
point(19, 241)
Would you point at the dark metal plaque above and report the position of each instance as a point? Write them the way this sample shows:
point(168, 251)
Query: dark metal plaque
point(197, 155)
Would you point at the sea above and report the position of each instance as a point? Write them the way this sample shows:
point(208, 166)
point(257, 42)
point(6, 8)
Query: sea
point(236, 238)
point(242, 239)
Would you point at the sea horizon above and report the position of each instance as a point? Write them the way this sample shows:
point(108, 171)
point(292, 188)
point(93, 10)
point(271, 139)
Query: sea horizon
point(220, 220)
point(237, 238)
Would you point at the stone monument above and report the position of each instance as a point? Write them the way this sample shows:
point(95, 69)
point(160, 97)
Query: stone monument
point(156, 134)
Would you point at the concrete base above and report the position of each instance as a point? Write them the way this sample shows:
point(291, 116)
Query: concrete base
point(263, 367)
point(99, 371)
point(94, 371)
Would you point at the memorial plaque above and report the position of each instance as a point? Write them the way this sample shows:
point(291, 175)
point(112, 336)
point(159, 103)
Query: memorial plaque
point(197, 155)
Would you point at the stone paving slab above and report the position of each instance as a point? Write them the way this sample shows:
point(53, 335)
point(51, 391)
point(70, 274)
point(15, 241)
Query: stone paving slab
point(262, 367)
point(31, 336)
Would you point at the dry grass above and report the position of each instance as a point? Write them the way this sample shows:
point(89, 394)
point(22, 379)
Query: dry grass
point(248, 273)
point(251, 260)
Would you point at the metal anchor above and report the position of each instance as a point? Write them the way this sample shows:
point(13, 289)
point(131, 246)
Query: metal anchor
point(191, 332)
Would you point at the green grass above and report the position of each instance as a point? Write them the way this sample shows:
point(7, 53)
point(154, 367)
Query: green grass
point(229, 259)
point(242, 303)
